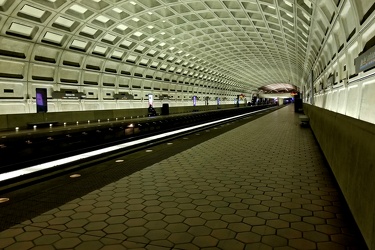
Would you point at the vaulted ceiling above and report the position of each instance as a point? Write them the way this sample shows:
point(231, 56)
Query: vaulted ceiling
point(248, 44)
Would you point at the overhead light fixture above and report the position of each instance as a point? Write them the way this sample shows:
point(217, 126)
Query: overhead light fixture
point(117, 10)
point(2, 200)
point(288, 3)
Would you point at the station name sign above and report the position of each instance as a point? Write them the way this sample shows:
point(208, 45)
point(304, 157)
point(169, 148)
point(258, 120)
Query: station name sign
point(68, 95)
point(123, 96)
point(365, 61)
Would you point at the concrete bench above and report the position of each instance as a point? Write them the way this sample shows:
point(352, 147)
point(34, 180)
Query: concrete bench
point(304, 119)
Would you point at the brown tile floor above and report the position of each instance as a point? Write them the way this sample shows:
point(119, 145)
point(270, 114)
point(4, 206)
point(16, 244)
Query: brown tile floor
point(264, 185)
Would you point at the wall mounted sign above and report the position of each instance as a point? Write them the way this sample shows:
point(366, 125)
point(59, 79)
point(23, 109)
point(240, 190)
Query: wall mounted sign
point(330, 80)
point(68, 95)
point(194, 100)
point(123, 96)
point(365, 61)
point(41, 100)
point(150, 99)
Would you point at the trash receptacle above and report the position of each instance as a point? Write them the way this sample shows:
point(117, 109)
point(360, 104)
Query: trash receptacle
point(165, 109)
point(298, 105)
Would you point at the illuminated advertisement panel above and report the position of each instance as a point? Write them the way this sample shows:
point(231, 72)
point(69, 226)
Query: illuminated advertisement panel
point(41, 100)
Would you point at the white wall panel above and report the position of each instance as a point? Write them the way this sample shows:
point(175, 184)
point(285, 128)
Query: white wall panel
point(165, 86)
point(368, 102)
point(40, 72)
point(15, 48)
point(328, 104)
point(91, 92)
point(318, 100)
point(109, 104)
point(123, 104)
point(91, 78)
point(67, 75)
point(45, 54)
point(342, 101)
point(136, 83)
point(94, 63)
point(157, 103)
point(139, 104)
point(70, 105)
point(137, 94)
point(12, 69)
point(90, 105)
point(111, 67)
point(13, 107)
point(109, 80)
point(147, 85)
point(52, 106)
point(107, 93)
point(72, 59)
point(334, 100)
point(123, 82)
point(352, 101)
point(11, 90)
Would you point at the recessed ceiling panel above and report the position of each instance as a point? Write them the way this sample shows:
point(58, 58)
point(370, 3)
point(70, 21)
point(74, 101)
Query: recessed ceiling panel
point(267, 41)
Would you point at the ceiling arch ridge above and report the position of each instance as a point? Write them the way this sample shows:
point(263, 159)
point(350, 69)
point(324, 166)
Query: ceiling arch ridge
point(34, 16)
point(265, 20)
point(349, 8)
point(299, 74)
point(87, 23)
point(132, 19)
point(292, 66)
point(250, 29)
point(334, 19)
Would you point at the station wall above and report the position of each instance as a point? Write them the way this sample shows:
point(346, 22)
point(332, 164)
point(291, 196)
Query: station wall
point(21, 121)
point(338, 84)
point(26, 67)
point(348, 145)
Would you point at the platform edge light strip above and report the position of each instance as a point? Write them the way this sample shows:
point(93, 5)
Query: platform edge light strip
point(71, 159)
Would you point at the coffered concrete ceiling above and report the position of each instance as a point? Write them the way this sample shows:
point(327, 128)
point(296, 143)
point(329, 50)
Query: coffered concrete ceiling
point(248, 44)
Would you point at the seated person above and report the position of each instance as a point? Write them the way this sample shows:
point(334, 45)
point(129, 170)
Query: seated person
point(151, 111)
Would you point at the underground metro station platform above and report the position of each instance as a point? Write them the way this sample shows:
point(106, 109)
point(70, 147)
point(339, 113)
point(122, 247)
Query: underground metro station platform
point(248, 184)
point(88, 70)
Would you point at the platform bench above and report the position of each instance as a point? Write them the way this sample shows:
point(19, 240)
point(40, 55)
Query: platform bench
point(304, 119)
